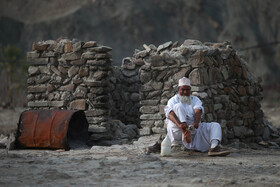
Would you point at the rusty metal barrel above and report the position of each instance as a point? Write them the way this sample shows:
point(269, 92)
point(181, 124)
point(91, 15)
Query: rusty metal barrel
point(54, 129)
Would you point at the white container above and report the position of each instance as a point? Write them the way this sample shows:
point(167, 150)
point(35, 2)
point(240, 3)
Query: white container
point(165, 147)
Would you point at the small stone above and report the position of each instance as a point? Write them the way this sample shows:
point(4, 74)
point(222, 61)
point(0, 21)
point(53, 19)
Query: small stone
point(33, 70)
point(103, 49)
point(77, 46)
point(145, 131)
point(88, 55)
point(135, 97)
point(99, 75)
point(90, 44)
point(164, 46)
point(71, 56)
point(37, 104)
point(55, 70)
point(32, 55)
point(83, 72)
point(36, 89)
point(68, 47)
point(56, 103)
point(69, 87)
point(241, 90)
point(78, 62)
point(151, 116)
point(156, 61)
point(73, 71)
point(127, 63)
point(39, 47)
point(79, 104)
point(38, 61)
point(197, 180)
point(128, 73)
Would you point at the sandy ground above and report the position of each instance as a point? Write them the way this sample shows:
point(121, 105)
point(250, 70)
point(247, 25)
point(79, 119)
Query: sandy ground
point(129, 165)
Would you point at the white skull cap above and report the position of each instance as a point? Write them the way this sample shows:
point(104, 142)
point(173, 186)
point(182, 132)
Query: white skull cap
point(184, 82)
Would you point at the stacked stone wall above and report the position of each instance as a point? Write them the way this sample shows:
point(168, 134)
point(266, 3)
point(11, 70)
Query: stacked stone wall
point(124, 94)
point(68, 74)
point(230, 94)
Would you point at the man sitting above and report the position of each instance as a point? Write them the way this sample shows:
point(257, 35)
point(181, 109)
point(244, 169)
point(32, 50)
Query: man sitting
point(183, 113)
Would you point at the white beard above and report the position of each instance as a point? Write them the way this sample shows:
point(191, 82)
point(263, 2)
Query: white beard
point(185, 99)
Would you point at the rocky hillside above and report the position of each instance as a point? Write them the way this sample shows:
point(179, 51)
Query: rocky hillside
point(126, 25)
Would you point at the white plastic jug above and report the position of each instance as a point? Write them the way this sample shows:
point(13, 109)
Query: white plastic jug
point(165, 147)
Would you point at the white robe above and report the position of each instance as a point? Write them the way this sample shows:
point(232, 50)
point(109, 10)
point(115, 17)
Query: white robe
point(201, 137)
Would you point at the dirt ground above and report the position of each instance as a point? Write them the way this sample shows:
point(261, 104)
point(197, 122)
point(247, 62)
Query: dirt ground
point(129, 165)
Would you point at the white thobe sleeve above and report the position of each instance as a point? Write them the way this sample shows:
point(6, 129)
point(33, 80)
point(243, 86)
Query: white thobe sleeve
point(198, 104)
point(167, 109)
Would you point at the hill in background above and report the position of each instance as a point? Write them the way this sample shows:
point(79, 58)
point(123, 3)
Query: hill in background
point(126, 25)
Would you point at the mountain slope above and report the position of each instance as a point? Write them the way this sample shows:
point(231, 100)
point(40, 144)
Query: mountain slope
point(127, 24)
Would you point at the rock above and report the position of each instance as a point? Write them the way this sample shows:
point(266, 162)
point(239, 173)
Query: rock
point(88, 55)
point(96, 129)
point(197, 180)
point(32, 55)
point(73, 71)
point(102, 49)
point(158, 130)
point(44, 70)
point(99, 75)
point(135, 97)
point(192, 42)
point(77, 46)
point(196, 77)
point(242, 131)
point(90, 44)
point(3, 141)
point(71, 56)
point(145, 131)
point(156, 61)
point(38, 61)
point(129, 73)
point(36, 89)
point(164, 46)
point(40, 46)
point(241, 90)
point(78, 62)
point(56, 103)
point(151, 116)
point(79, 104)
point(145, 77)
point(68, 47)
point(127, 63)
point(201, 95)
point(149, 109)
point(55, 70)
point(33, 70)
point(69, 87)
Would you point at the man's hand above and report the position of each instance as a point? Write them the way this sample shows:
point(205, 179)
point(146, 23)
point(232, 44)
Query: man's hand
point(195, 125)
point(183, 126)
point(187, 136)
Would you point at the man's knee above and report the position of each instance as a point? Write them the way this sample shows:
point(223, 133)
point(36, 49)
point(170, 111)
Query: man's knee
point(216, 126)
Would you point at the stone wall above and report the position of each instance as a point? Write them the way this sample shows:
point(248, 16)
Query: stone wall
point(78, 75)
point(68, 74)
point(125, 86)
point(231, 95)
